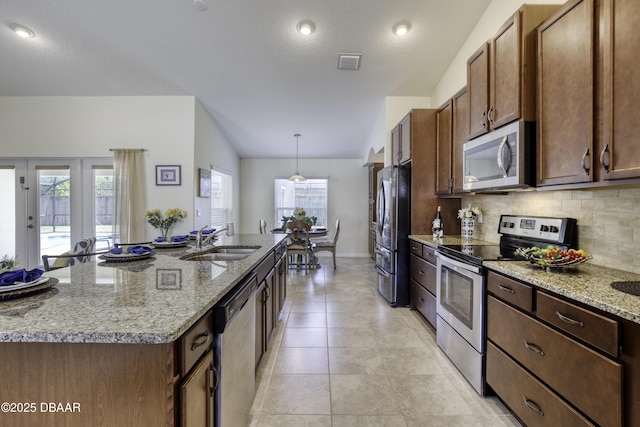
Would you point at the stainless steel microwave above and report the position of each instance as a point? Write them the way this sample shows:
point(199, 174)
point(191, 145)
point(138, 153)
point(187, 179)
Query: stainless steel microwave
point(502, 159)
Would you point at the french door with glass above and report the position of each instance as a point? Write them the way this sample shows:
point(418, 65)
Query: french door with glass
point(52, 203)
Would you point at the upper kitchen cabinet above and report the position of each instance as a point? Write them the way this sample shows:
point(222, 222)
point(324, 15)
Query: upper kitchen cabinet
point(420, 127)
point(444, 120)
point(618, 156)
point(565, 95)
point(401, 141)
point(501, 75)
point(452, 120)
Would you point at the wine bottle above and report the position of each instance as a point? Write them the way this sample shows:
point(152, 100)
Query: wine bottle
point(438, 225)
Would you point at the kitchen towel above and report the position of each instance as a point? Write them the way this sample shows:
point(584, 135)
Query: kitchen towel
point(22, 275)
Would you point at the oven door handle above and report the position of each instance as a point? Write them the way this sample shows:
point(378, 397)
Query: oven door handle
point(456, 265)
point(382, 272)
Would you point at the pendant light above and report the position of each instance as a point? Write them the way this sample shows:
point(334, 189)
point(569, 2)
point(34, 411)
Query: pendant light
point(297, 177)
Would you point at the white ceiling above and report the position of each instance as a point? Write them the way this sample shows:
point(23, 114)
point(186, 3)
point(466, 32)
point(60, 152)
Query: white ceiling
point(259, 79)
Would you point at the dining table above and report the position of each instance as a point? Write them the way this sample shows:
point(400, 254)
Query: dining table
point(315, 231)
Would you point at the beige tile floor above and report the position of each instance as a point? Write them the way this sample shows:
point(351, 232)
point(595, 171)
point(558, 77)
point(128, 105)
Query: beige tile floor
point(340, 356)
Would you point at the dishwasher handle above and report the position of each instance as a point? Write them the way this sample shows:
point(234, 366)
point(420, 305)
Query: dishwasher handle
point(234, 302)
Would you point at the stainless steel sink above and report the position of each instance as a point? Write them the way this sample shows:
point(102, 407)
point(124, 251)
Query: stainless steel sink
point(233, 249)
point(221, 253)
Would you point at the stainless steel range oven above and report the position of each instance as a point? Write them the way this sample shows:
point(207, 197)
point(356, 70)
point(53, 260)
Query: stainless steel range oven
point(461, 287)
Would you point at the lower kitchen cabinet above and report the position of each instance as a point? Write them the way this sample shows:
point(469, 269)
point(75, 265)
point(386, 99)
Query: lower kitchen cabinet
point(551, 361)
point(196, 394)
point(422, 273)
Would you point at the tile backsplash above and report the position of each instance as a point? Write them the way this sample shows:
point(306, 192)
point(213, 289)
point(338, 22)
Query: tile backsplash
point(608, 219)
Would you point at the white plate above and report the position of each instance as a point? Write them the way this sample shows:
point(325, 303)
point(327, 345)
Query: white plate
point(127, 255)
point(22, 285)
point(170, 244)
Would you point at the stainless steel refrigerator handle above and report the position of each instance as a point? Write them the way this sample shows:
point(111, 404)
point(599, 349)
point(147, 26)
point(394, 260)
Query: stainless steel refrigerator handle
point(380, 250)
point(381, 207)
point(382, 272)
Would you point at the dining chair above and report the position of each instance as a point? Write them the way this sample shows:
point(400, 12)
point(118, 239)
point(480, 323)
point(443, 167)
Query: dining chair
point(263, 226)
point(328, 245)
point(298, 245)
point(82, 251)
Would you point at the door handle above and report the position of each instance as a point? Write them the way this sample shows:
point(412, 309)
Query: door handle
point(586, 162)
point(605, 158)
point(30, 226)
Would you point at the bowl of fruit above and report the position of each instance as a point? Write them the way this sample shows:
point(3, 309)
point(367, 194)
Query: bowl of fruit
point(554, 257)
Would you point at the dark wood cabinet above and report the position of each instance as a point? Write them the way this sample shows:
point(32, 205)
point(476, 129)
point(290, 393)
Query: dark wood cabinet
point(452, 122)
point(547, 357)
point(422, 273)
point(421, 127)
point(459, 129)
point(196, 395)
point(444, 120)
point(501, 75)
point(618, 156)
point(565, 95)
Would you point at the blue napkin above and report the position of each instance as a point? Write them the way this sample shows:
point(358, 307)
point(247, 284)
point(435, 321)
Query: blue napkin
point(160, 239)
point(209, 231)
point(139, 250)
point(116, 251)
point(22, 275)
point(180, 239)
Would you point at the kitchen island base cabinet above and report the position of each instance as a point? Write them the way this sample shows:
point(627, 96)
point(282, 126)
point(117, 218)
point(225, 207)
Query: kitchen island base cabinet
point(112, 384)
point(196, 394)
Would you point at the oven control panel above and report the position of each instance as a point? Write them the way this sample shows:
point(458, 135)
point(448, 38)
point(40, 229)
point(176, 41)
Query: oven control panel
point(557, 230)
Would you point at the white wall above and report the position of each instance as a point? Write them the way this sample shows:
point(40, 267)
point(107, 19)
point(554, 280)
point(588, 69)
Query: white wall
point(64, 127)
point(213, 151)
point(348, 196)
point(497, 13)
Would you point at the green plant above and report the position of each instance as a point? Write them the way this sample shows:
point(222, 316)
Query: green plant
point(171, 216)
point(7, 263)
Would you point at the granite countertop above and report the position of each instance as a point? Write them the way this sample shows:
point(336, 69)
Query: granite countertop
point(428, 239)
point(587, 283)
point(149, 301)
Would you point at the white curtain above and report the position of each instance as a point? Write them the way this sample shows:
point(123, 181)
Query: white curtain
point(129, 195)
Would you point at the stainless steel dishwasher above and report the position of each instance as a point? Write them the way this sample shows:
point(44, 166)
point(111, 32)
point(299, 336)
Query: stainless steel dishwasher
point(234, 347)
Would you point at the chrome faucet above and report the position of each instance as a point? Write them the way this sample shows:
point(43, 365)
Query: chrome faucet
point(199, 239)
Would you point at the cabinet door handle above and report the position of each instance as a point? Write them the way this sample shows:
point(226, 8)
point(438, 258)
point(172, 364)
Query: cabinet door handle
point(506, 289)
point(482, 123)
point(489, 114)
point(569, 320)
point(586, 162)
point(214, 378)
point(533, 406)
point(200, 340)
point(533, 348)
point(605, 158)
point(420, 272)
point(421, 299)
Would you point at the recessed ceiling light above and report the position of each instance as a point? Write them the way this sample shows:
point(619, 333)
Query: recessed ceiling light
point(306, 27)
point(401, 28)
point(22, 31)
point(200, 5)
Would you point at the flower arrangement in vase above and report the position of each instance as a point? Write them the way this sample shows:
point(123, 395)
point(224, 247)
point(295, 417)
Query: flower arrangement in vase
point(299, 214)
point(164, 223)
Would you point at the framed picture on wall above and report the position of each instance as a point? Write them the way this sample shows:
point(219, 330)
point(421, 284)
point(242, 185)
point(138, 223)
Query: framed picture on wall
point(204, 183)
point(168, 175)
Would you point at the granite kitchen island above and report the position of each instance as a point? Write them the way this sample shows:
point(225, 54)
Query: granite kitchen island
point(112, 342)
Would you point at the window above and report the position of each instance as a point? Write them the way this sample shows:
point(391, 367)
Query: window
point(221, 199)
point(312, 195)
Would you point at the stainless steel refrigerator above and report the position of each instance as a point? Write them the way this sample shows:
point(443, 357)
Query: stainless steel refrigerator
point(392, 233)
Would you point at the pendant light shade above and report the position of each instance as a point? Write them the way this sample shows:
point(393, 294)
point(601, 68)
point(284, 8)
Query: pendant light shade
point(296, 177)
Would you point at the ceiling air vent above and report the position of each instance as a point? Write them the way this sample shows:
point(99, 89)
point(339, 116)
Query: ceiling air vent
point(349, 61)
